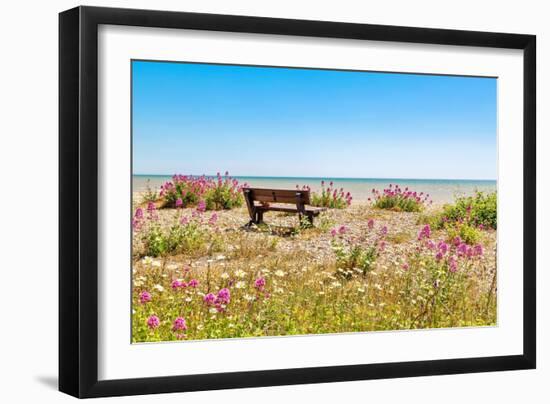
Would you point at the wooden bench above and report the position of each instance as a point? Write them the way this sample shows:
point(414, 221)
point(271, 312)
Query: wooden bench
point(261, 200)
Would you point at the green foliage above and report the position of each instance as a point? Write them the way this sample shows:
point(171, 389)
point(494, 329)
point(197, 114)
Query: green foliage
point(467, 233)
point(477, 210)
point(326, 200)
point(149, 195)
point(189, 238)
point(155, 241)
point(330, 197)
point(354, 258)
point(434, 219)
point(223, 196)
point(398, 203)
point(324, 223)
point(474, 211)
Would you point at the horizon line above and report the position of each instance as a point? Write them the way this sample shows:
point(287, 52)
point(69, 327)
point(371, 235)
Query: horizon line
point(320, 178)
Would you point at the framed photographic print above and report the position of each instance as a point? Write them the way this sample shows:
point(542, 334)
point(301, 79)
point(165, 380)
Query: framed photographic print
point(250, 201)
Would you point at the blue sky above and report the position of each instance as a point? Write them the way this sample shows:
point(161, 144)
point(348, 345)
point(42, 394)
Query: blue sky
point(260, 121)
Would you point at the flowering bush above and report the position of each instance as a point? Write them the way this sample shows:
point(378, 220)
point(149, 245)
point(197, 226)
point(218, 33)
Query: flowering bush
point(438, 279)
point(477, 211)
point(466, 218)
point(221, 192)
point(330, 197)
point(352, 256)
point(395, 198)
point(469, 234)
point(187, 235)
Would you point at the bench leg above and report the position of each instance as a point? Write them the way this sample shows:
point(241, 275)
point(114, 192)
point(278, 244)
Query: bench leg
point(310, 218)
point(253, 216)
point(259, 217)
point(256, 218)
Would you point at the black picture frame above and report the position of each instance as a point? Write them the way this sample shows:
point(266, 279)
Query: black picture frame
point(78, 201)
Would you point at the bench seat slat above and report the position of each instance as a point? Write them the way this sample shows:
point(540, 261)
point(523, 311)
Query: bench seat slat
point(290, 209)
point(279, 195)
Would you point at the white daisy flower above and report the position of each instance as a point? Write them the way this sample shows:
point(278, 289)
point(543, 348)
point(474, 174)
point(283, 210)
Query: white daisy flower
point(240, 273)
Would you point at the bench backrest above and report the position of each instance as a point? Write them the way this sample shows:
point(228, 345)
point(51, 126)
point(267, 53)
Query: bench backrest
point(296, 196)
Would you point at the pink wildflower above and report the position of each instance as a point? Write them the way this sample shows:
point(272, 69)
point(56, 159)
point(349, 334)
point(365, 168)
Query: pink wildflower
point(439, 256)
point(382, 245)
point(370, 224)
point(453, 267)
point(342, 229)
point(201, 207)
point(213, 219)
point(145, 297)
point(151, 207)
point(179, 203)
point(333, 232)
point(193, 283)
point(443, 247)
point(209, 298)
point(462, 249)
point(259, 283)
point(224, 296)
point(405, 267)
point(425, 232)
point(139, 213)
point(179, 324)
point(478, 250)
point(153, 322)
point(384, 230)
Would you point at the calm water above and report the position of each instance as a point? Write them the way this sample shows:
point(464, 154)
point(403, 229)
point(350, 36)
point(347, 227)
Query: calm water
point(441, 191)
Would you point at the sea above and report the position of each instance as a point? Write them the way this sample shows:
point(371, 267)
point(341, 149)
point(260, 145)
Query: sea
point(440, 190)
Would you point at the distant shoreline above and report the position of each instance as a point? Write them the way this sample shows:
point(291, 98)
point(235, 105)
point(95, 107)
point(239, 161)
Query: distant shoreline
point(440, 190)
point(324, 178)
